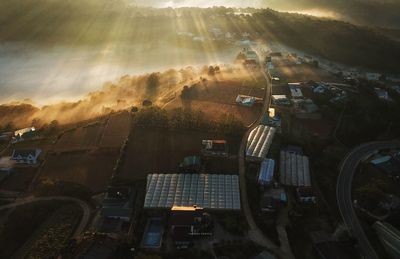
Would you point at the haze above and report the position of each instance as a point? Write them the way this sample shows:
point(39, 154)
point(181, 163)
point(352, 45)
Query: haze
point(383, 13)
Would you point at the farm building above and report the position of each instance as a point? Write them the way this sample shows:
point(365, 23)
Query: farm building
point(266, 173)
point(26, 156)
point(250, 64)
point(214, 148)
point(246, 100)
point(220, 192)
point(191, 164)
point(251, 55)
point(270, 118)
point(306, 195)
point(118, 203)
point(280, 100)
point(259, 142)
point(381, 93)
point(187, 223)
point(22, 134)
point(272, 199)
point(295, 90)
point(373, 76)
point(294, 169)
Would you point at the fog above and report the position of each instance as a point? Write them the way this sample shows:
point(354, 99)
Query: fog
point(47, 75)
point(381, 13)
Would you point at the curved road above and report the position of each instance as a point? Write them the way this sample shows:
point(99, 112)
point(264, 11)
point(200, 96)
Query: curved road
point(85, 208)
point(255, 234)
point(343, 192)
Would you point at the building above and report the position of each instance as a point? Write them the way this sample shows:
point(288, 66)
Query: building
point(246, 100)
point(26, 156)
point(23, 134)
point(187, 223)
point(250, 64)
point(295, 90)
point(266, 174)
point(272, 199)
point(373, 76)
point(381, 93)
point(118, 203)
point(309, 106)
point(259, 142)
point(214, 192)
point(306, 195)
point(270, 118)
point(280, 100)
point(387, 164)
point(191, 164)
point(396, 88)
point(251, 55)
point(294, 169)
point(308, 59)
point(389, 237)
point(214, 148)
point(319, 89)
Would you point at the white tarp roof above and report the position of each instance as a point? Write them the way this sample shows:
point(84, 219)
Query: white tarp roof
point(259, 142)
point(294, 169)
point(209, 191)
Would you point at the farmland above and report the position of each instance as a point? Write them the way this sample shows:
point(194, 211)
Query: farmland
point(116, 130)
point(108, 132)
point(53, 234)
point(304, 72)
point(80, 138)
point(19, 180)
point(157, 150)
point(92, 169)
point(21, 223)
point(87, 154)
point(216, 98)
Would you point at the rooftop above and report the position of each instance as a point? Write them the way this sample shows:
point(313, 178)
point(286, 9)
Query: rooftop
point(259, 142)
point(266, 173)
point(209, 191)
point(294, 169)
point(118, 202)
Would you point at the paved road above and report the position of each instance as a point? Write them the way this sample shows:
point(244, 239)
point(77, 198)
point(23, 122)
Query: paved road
point(343, 192)
point(85, 207)
point(255, 234)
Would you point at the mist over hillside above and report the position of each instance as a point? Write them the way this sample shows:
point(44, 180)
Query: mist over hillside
point(380, 13)
point(103, 23)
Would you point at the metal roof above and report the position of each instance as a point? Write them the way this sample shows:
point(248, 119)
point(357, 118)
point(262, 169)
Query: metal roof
point(266, 171)
point(209, 191)
point(259, 142)
point(294, 169)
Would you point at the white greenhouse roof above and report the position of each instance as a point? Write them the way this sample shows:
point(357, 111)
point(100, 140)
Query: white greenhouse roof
point(209, 191)
point(294, 169)
point(259, 142)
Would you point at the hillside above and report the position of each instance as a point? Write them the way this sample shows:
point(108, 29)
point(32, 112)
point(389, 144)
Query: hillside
point(101, 22)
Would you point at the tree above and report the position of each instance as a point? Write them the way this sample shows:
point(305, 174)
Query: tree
point(211, 70)
point(152, 83)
